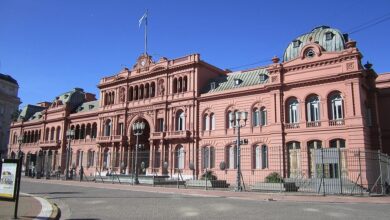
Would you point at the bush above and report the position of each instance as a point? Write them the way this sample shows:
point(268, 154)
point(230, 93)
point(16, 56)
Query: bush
point(209, 174)
point(274, 178)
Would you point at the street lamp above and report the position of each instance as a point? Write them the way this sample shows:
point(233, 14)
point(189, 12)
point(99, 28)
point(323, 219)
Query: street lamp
point(236, 119)
point(20, 141)
point(138, 129)
point(69, 136)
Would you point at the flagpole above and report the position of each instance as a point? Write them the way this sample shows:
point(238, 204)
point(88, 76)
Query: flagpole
point(146, 33)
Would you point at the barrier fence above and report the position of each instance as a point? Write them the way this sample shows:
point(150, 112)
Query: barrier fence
point(260, 168)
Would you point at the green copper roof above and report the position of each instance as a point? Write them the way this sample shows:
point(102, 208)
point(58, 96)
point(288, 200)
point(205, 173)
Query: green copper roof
point(88, 106)
point(28, 111)
point(245, 79)
point(318, 34)
point(36, 116)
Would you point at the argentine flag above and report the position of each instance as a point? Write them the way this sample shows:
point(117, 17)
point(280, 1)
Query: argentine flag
point(143, 18)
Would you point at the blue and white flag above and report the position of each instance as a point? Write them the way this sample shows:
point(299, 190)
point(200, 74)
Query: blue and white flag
point(143, 18)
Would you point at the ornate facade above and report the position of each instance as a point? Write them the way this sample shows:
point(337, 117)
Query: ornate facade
point(319, 96)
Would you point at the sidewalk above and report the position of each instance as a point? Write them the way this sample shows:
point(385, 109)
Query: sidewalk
point(30, 207)
point(226, 194)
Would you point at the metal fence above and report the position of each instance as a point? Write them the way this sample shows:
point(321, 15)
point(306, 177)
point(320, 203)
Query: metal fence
point(260, 168)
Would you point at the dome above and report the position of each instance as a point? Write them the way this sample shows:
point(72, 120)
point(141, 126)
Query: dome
point(329, 38)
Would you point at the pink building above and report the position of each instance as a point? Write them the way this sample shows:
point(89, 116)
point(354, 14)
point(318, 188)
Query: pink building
point(320, 96)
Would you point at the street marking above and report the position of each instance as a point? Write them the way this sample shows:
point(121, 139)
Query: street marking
point(46, 209)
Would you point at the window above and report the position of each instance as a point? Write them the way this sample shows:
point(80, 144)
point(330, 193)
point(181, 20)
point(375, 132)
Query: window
point(263, 116)
point(336, 103)
point(121, 128)
point(206, 122)
point(228, 117)
point(310, 53)
point(180, 121)
point(90, 158)
point(231, 157)
point(313, 109)
point(107, 128)
point(237, 82)
point(293, 111)
point(260, 157)
point(212, 85)
point(160, 124)
point(208, 157)
point(256, 117)
point(296, 43)
point(179, 157)
point(329, 35)
point(337, 143)
point(263, 77)
point(212, 121)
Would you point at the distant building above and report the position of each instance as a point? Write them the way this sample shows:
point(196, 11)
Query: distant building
point(320, 96)
point(9, 103)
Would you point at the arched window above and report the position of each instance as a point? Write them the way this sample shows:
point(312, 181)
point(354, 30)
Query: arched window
point(58, 133)
point(88, 131)
point(255, 117)
point(180, 121)
point(77, 132)
point(293, 110)
point(263, 116)
point(153, 89)
point(131, 95)
point(113, 98)
point(136, 93)
point(107, 128)
point(212, 121)
point(206, 122)
point(105, 98)
point(208, 157)
point(147, 90)
point(141, 92)
point(313, 108)
point(231, 157)
point(179, 157)
point(174, 86)
point(94, 130)
point(52, 131)
point(336, 106)
point(312, 146)
point(260, 160)
point(180, 85)
point(82, 131)
point(90, 158)
point(337, 143)
point(185, 84)
point(229, 115)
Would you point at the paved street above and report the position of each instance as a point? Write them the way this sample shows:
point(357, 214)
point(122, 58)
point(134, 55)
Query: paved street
point(91, 201)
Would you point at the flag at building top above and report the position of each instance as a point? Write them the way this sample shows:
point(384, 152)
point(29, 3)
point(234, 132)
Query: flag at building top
point(143, 18)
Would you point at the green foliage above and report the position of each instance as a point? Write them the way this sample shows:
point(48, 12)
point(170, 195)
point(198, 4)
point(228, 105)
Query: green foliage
point(209, 174)
point(273, 177)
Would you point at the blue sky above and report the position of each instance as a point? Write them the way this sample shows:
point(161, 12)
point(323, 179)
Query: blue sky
point(52, 46)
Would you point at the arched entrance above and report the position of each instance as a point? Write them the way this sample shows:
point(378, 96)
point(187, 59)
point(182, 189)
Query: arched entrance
point(140, 152)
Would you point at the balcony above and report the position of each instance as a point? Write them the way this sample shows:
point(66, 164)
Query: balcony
point(292, 125)
point(311, 124)
point(178, 134)
point(338, 122)
point(109, 139)
point(83, 141)
point(157, 135)
point(51, 143)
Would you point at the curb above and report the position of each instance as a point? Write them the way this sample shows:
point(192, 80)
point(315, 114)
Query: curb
point(49, 210)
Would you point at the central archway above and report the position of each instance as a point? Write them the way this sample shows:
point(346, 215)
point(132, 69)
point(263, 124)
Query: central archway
point(140, 153)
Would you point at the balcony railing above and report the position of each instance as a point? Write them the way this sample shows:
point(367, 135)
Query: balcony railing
point(337, 122)
point(178, 134)
point(107, 139)
point(84, 140)
point(311, 124)
point(158, 135)
point(292, 125)
point(49, 143)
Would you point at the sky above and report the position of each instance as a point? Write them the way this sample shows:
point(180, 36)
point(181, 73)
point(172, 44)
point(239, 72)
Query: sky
point(52, 46)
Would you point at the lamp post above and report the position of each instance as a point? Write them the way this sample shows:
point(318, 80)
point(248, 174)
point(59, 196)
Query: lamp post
point(138, 129)
point(236, 120)
point(19, 174)
point(69, 136)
